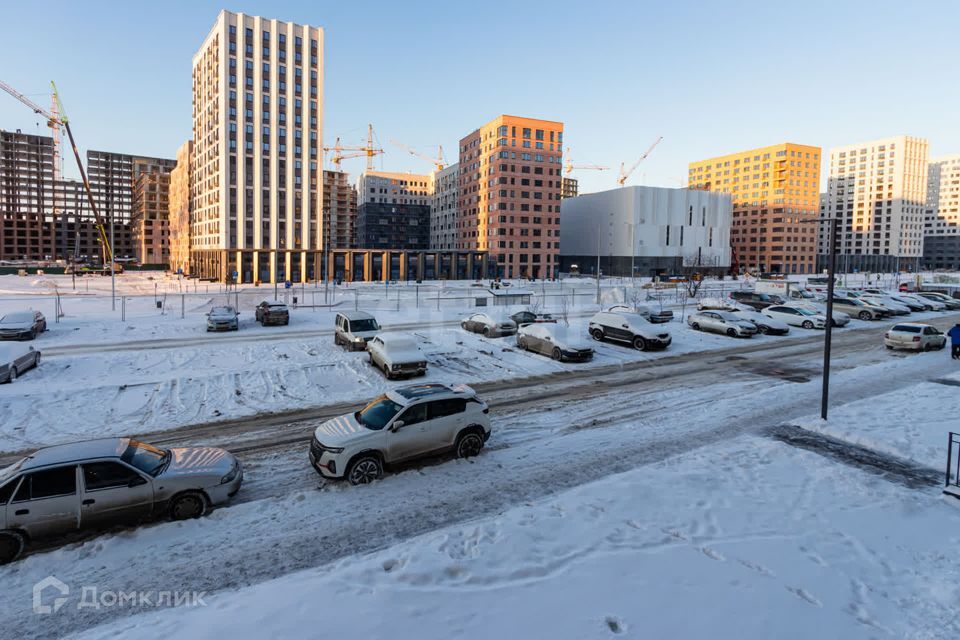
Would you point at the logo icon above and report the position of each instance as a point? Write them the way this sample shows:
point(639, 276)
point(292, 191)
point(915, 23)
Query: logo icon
point(47, 583)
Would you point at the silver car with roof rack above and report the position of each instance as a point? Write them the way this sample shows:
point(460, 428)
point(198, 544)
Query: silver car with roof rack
point(400, 425)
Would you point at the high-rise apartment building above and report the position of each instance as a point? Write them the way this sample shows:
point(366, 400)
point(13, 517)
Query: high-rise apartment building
point(149, 220)
point(257, 131)
point(443, 208)
point(509, 194)
point(178, 217)
point(339, 210)
point(569, 188)
point(878, 190)
point(941, 240)
point(775, 192)
point(393, 211)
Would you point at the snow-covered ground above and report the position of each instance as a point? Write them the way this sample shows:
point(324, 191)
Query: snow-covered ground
point(751, 539)
point(898, 423)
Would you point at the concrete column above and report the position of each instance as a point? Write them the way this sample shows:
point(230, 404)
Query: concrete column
point(470, 265)
point(273, 267)
point(452, 271)
point(403, 265)
point(385, 262)
point(348, 270)
point(256, 265)
point(329, 257)
point(367, 266)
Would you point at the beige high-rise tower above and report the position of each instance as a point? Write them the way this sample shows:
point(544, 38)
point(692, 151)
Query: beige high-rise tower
point(257, 130)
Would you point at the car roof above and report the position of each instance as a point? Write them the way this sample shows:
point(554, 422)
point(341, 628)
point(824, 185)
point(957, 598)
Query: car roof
point(433, 391)
point(919, 325)
point(76, 451)
point(396, 336)
point(356, 315)
point(273, 304)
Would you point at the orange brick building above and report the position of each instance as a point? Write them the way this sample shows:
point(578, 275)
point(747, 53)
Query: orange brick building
point(775, 193)
point(509, 195)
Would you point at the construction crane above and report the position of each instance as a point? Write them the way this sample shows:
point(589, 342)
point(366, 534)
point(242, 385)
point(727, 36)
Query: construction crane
point(438, 163)
point(624, 174)
point(368, 151)
point(55, 122)
point(568, 166)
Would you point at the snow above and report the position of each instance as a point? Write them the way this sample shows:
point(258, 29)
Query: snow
point(749, 540)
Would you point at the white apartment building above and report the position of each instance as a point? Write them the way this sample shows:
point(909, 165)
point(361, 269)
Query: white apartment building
point(649, 230)
point(443, 208)
point(941, 242)
point(878, 190)
point(393, 188)
point(257, 129)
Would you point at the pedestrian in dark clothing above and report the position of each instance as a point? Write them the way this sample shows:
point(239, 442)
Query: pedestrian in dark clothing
point(955, 342)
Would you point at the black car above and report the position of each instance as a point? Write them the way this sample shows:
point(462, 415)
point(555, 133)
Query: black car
point(272, 313)
point(22, 325)
point(756, 300)
point(529, 317)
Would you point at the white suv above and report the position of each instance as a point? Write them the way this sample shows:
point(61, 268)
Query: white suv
point(402, 424)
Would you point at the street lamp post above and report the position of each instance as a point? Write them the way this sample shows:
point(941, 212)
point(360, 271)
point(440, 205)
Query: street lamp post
point(828, 329)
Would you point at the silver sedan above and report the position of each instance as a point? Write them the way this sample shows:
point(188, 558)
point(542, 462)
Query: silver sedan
point(102, 483)
point(725, 322)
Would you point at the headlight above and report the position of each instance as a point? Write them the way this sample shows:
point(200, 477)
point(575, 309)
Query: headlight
point(232, 475)
point(395, 367)
point(358, 339)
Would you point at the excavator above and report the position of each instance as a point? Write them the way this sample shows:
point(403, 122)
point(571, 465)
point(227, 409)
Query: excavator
point(56, 122)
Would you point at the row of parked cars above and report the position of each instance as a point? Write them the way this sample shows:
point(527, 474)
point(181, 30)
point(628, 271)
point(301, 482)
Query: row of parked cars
point(227, 318)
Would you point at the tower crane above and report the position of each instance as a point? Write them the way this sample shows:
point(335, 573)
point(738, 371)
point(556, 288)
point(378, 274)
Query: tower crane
point(438, 163)
point(624, 173)
point(368, 151)
point(55, 122)
point(568, 166)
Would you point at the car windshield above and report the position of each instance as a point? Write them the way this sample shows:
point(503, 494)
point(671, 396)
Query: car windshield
point(146, 457)
point(221, 311)
point(367, 324)
point(378, 413)
point(7, 472)
point(17, 317)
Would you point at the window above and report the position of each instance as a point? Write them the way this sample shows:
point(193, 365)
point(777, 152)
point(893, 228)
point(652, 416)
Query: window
point(61, 481)
point(415, 414)
point(7, 491)
point(107, 475)
point(443, 408)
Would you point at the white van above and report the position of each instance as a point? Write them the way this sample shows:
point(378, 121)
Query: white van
point(354, 328)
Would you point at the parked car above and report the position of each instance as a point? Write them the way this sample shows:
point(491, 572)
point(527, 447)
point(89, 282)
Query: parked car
point(268, 313)
point(764, 324)
point(489, 325)
point(840, 319)
point(725, 322)
point(105, 482)
point(914, 336)
point(400, 425)
point(15, 359)
point(396, 354)
point(756, 300)
point(893, 307)
point(354, 329)
point(858, 308)
point(716, 304)
point(797, 316)
point(629, 328)
point(223, 319)
point(929, 304)
point(654, 317)
point(529, 317)
point(22, 325)
point(912, 304)
point(951, 303)
point(558, 342)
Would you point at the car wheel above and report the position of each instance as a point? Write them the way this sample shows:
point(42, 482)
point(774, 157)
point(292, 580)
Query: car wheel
point(639, 344)
point(32, 335)
point(762, 328)
point(732, 333)
point(695, 326)
point(807, 324)
point(469, 444)
point(557, 354)
point(336, 340)
point(365, 470)
point(36, 359)
point(386, 371)
point(889, 347)
point(486, 332)
point(939, 348)
point(13, 375)
point(597, 334)
point(865, 315)
point(522, 344)
point(11, 546)
point(187, 506)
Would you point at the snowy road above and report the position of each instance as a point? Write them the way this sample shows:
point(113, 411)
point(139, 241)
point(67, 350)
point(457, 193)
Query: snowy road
point(593, 427)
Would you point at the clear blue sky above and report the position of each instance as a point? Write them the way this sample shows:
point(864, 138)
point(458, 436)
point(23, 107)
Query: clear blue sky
point(711, 77)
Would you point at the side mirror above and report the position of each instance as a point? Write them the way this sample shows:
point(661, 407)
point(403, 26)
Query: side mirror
point(396, 425)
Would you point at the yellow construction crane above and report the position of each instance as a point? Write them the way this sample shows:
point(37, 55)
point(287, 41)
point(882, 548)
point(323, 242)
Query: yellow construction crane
point(368, 151)
point(438, 163)
point(55, 122)
point(624, 174)
point(568, 166)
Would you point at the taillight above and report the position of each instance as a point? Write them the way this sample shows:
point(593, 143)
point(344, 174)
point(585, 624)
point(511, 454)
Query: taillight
point(486, 409)
point(916, 338)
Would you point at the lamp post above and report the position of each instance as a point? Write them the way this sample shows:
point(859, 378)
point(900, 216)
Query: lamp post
point(828, 333)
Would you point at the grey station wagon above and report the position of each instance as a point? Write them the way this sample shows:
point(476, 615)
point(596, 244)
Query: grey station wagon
point(102, 483)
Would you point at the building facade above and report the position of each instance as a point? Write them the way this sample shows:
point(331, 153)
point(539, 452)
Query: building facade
point(569, 188)
point(941, 239)
point(393, 211)
point(509, 194)
point(178, 215)
point(443, 208)
point(113, 178)
point(339, 210)
point(257, 131)
point(878, 191)
point(648, 231)
point(775, 194)
point(150, 219)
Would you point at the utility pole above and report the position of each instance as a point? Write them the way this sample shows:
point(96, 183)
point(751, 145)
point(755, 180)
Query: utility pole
point(598, 265)
point(828, 333)
point(113, 261)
